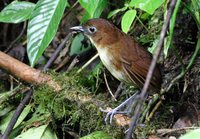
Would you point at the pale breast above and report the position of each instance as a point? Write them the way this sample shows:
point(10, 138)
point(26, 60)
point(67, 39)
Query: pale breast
point(106, 58)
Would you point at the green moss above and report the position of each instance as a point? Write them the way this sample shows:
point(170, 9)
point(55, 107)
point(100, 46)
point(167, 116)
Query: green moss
point(74, 102)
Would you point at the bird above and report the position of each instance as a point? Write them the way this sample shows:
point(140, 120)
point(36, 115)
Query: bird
point(121, 54)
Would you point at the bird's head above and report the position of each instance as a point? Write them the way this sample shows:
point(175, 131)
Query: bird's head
point(99, 31)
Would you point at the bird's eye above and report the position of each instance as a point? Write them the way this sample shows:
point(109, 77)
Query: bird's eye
point(92, 29)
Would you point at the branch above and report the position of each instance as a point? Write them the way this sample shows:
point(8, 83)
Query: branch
point(25, 72)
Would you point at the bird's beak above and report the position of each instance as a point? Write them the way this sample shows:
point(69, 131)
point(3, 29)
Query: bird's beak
point(77, 29)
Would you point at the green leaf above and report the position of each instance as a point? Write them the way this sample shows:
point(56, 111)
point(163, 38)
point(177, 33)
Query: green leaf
point(16, 12)
point(93, 7)
point(97, 135)
point(195, 8)
point(112, 13)
point(4, 111)
point(127, 20)
point(195, 134)
point(100, 7)
point(49, 134)
point(168, 43)
point(33, 133)
point(148, 6)
point(77, 47)
point(43, 26)
point(6, 119)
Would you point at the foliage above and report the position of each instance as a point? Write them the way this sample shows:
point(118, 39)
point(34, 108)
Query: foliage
point(148, 6)
point(17, 12)
point(77, 47)
point(171, 29)
point(191, 135)
point(6, 119)
point(42, 26)
point(44, 18)
point(127, 20)
point(42, 132)
point(93, 8)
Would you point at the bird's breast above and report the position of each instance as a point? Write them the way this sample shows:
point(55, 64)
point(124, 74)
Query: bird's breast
point(110, 62)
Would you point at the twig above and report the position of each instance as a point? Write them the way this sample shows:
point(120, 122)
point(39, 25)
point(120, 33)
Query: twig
point(154, 110)
point(86, 64)
point(152, 102)
point(17, 113)
point(150, 71)
point(109, 90)
point(119, 89)
point(163, 132)
point(18, 37)
point(64, 61)
point(73, 63)
point(142, 24)
point(71, 7)
point(56, 53)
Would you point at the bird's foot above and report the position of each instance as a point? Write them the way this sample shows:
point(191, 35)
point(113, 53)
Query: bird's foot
point(117, 110)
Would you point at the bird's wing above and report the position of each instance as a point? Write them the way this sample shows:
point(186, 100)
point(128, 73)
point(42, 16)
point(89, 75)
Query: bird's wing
point(136, 65)
point(134, 73)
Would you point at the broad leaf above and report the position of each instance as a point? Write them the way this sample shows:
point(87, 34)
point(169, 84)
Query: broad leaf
point(148, 6)
point(194, 134)
point(16, 12)
point(127, 20)
point(43, 26)
point(100, 7)
point(93, 7)
point(77, 46)
point(171, 29)
point(49, 134)
point(6, 119)
point(33, 133)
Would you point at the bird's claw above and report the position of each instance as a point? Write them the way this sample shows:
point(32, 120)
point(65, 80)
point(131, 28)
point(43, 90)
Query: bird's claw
point(110, 115)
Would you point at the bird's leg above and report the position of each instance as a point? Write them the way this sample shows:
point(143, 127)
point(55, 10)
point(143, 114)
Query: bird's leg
point(132, 100)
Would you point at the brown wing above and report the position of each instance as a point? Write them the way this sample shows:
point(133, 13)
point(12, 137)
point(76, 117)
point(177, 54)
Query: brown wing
point(136, 65)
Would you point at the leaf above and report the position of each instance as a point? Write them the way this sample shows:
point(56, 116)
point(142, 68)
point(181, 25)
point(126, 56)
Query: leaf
point(33, 133)
point(16, 12)
point(77, 47)
point(148, 6)
point(93, 7)
point(49, 134)
point(6, 119)
point(6, 110)
point(112, 13)
point(99, 9)
point(191, 135)
point(127, 20)
point(43, 26)
point(169, 38)
point(97, 135)
point(195, 8)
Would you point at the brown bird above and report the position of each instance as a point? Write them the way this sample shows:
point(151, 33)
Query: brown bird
point(121, 55)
